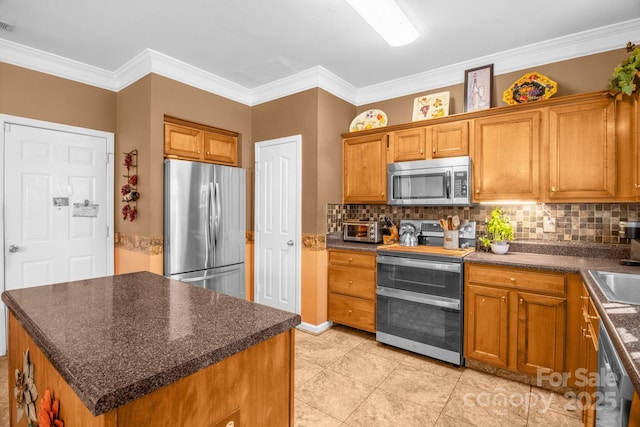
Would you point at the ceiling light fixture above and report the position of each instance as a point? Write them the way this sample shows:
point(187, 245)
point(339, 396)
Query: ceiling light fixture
point(387, 19)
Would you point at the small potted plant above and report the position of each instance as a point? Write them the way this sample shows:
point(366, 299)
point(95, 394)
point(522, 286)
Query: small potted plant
point(626, 76)
point(499, 232)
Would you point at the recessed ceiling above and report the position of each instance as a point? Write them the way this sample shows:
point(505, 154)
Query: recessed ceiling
point(254, 43)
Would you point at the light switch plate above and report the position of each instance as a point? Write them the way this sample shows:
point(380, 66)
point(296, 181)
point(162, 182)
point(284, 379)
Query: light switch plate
point(548, 224)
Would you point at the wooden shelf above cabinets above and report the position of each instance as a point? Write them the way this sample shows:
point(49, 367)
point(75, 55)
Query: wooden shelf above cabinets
point(193, 141)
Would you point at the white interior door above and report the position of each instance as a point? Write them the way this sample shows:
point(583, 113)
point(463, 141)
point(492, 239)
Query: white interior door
point(277, 223)
point(58, 205)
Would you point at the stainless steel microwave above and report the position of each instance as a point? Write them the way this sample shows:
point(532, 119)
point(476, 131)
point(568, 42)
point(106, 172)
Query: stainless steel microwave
point(437, 182)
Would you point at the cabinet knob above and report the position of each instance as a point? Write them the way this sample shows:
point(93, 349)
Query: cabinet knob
point(521, 301)
point(350, 311)
point(504, 298)
point(592, 317)
point(434, 150)
point(513, 279)
point(198, 152)
point(207, 153)
point(477, 191)
point(553, 189)
point(350, 282)
point(350, 259)
point(583, 297)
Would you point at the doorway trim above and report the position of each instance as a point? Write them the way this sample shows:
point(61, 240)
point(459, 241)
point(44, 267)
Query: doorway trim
point(297, 143)
point(23, 121)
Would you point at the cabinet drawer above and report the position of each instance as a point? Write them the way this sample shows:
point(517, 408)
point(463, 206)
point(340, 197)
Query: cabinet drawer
point(353, 312)
point(519, 279)
point(357, 259)
point(357, 282)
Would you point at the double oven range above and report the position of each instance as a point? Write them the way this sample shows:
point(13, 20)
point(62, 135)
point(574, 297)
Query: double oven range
point(419, 292)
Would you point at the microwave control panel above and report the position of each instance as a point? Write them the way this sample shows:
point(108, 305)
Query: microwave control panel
point(460, 184)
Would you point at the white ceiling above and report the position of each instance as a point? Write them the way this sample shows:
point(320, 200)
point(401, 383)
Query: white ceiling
point(256, 49)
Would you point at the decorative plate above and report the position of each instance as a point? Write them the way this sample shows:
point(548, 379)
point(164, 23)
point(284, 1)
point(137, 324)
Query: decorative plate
point(369, 119)
point(528, 88)
point(431, 106)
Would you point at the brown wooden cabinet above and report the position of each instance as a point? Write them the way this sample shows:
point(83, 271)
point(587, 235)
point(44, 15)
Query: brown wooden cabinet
point(506, 157)
point(582, 151)
point(515, 318)
point(352, 289)
point(589, 335)
point(365, 169)
point(409, 145)
point(193, 141)
point(449, 139)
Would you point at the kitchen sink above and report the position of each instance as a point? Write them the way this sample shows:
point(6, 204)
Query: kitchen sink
point(618, 287)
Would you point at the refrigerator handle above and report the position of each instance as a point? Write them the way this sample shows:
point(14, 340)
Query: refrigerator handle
point(210, 222)
point(216, 230)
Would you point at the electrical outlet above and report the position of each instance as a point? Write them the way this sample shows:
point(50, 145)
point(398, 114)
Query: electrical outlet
point(548, 224)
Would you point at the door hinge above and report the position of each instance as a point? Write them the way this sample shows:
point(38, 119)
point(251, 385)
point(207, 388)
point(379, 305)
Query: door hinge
point(109, 156)
point(107, 231)
point(7, 127)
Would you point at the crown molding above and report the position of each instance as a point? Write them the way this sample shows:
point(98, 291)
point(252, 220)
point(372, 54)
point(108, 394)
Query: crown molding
point(563, 48)
point(48, 63)
point(149, 61)
point(316, 77)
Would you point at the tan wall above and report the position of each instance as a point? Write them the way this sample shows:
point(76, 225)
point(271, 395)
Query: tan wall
point(294, 115)
point(31, 94)
point(574, 76)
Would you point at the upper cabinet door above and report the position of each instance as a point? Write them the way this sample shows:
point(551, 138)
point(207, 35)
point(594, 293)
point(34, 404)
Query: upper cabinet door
point(409, 145)
point(219, 148)
point(507, 157)
point(365, 169)
point(183, 142)
point(582, 151)
point(449, 140)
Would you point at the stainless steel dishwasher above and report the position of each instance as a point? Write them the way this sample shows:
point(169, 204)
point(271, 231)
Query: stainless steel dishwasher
point(614, 390)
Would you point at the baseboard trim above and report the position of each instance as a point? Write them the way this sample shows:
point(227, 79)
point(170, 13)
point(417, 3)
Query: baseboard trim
point(315, 329)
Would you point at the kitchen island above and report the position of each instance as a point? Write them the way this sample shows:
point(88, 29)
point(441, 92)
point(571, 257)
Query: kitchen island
point(140, 349)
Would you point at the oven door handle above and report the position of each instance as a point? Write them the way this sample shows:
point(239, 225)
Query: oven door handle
point(427, 265)
point(419, 298)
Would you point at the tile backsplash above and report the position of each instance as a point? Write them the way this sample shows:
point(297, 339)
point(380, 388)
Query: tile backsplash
point(585, 222)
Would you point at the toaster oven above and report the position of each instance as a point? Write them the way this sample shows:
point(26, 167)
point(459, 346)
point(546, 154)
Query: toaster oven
point(363, 231)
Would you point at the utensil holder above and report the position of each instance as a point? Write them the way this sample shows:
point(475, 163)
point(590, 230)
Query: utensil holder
point(451, 239)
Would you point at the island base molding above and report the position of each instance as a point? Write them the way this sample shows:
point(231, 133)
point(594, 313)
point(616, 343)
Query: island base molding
point(253, 387)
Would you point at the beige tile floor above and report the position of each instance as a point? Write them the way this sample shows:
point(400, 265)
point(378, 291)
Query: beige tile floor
point(343, 377)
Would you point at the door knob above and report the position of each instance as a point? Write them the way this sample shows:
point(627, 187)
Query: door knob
point(13, 249)
point(290, 243)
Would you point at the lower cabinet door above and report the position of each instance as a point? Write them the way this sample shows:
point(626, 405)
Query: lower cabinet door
point(487, 319)
point(351, 311)
point(541, 330)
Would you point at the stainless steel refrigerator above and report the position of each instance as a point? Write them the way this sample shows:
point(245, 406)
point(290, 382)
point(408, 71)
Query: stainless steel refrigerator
point(204, 225)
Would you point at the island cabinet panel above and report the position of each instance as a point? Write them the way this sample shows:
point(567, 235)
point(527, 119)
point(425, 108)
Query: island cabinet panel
point(487, 324)
point(541, 330)
point(253, 387)
point(352, 289)
point(582, 151)
point(365, 169)
point(521, 329)
point(409, 145)
point(255, 384)
point(449, 140)
point(507, 157)
point(72, 410)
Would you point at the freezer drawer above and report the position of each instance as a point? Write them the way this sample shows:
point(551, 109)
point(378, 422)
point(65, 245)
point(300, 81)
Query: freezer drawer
point(227, 280)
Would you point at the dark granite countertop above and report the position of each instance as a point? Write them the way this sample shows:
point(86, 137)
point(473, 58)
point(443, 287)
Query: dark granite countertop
point(117, 338)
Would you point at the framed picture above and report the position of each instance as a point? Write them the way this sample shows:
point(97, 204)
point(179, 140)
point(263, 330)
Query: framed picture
point(478, 84)
point(431, 106)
